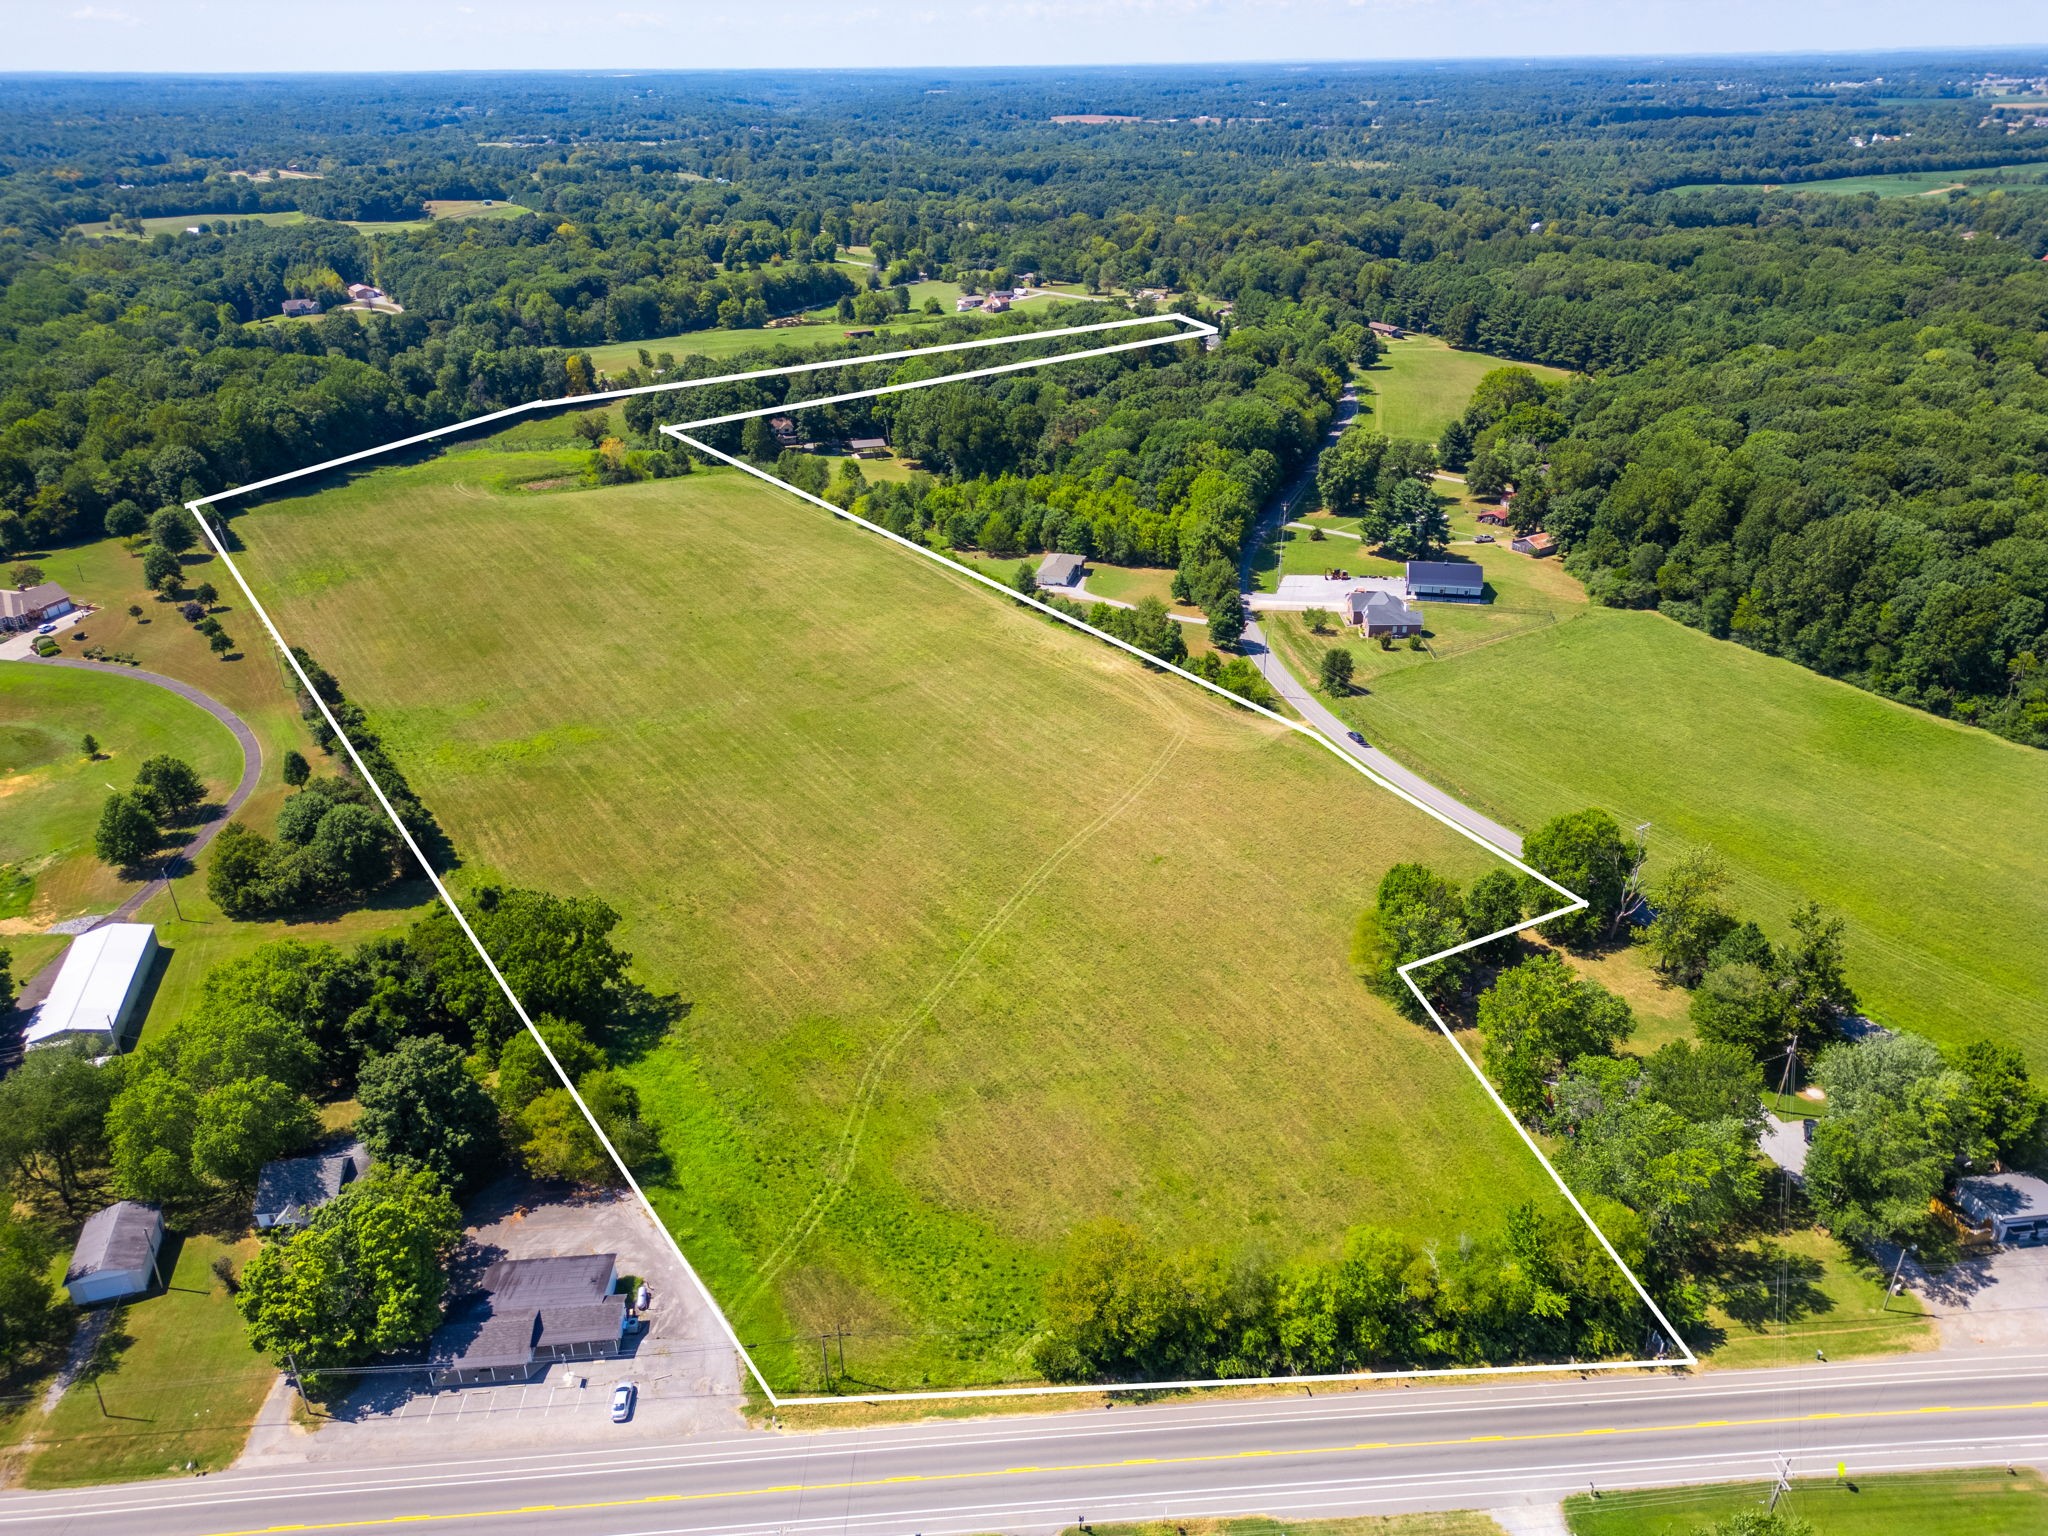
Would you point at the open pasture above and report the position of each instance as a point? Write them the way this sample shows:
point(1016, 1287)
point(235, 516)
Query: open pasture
point(1422, 383)
point(1929, 837)
point(979, 928)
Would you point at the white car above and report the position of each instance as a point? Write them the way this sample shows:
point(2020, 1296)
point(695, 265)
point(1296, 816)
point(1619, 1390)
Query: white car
point(622, 1402)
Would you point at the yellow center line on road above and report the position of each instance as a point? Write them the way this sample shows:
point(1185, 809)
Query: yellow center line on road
point(373, 1522)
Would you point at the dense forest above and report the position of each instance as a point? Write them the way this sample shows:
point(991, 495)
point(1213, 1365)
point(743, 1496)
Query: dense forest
point(1812, 423)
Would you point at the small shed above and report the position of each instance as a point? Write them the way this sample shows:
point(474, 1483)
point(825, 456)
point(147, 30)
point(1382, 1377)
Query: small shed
point(1538, 543)
point(2013, 1205)
point(116, 1253)
point(868, 447)
point(1062, 570)
point(1383, 328)
point(97, 987)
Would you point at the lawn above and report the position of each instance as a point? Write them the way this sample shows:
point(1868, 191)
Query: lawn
point(1462, 1522)
point(52, 794)
point(1778, 1299)
point(805, 340)
point(1421, 384)
point(179, 1384)
point(253, 685)
point(2018, 175)
point(974, 938)
point(1931, 839)
point(1993, 1502)
point(178, 223)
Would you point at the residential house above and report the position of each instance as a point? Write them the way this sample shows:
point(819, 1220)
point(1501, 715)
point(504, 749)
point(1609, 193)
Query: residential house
point(1062, 570)
point(1381, 613)
point(363, 293)
point(2013, 1205)
point(292, 1188)
point(995, 304)
point(116, 1253)
point(965, 302)
point(1457, 579)
point(1538, 543)
point(786, 434)
point(295, 309)
point(96, 990)
point(27, 607)
point(528, 1314)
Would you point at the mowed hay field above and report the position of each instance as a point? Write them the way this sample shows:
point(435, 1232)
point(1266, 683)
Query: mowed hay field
point(1930, 838)
point(1421, 384)
point(985, 929)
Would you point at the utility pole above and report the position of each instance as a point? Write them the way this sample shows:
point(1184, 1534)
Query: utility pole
point(1892, 1289)
point(1782, 1487)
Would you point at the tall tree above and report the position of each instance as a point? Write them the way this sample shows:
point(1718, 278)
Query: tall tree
point(1584, 852)
point(423, 1107)
point(1537, 1018)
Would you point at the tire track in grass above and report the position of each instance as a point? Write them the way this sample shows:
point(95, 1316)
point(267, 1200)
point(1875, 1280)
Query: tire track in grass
point(840, 1169)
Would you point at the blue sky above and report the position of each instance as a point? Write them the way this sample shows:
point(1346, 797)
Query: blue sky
point(214, 35)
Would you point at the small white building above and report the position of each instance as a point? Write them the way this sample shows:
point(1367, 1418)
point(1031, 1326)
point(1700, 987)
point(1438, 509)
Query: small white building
point(1058, 570)
point(96, 990)
point(2013, 1205)
point(116, 1253)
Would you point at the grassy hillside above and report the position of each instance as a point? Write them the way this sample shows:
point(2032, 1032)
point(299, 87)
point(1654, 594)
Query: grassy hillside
point(1421, 383)
point(1930, 838)
point(2019, 175)
point(1992, 1502)
point(50, 794)
point(983, 930)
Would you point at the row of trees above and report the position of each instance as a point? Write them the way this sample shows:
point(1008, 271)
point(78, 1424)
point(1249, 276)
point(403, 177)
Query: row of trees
point(1122, 1308)
point(1385, 484)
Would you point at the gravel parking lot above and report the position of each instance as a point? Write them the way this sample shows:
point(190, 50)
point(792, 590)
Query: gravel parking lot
point(687, 1373)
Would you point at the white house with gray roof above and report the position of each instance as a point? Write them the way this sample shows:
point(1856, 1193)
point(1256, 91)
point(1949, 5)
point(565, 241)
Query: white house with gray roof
point(116, 1253)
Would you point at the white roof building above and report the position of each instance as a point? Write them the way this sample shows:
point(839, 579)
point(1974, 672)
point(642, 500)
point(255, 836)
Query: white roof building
point(2013, 1205)
point(1300, 593)
point(95, 992)
point(116, 1253)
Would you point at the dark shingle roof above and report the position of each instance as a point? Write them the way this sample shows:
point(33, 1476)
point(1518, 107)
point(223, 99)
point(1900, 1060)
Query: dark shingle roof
point(1445, 573)
point(529, 1304)
point(287, 1190)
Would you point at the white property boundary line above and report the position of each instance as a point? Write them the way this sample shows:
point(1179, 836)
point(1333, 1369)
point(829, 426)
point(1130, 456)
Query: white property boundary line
point(1191, 328)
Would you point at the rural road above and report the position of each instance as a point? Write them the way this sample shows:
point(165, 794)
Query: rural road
point(1312, 709)
point(1387, 1450)
point(37, 987)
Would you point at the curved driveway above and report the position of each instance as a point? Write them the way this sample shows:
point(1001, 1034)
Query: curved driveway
point(38, 987)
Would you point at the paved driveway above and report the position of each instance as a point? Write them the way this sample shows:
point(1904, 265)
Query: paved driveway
point(686, 1371)
point(1996, 1302)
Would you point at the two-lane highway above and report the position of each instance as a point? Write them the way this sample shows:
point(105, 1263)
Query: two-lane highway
point(1388, 1449)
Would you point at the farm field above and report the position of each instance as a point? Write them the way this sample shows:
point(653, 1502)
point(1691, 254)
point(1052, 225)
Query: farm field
point(178, 223)
point(1928, 837)
point(1421, 383)
point(52, 794)
point(973, 940)
point(2019, 175)
point(1991, 1502)
point(616, 357)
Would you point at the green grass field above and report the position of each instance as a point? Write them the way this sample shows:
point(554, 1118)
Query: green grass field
point(821, 336)
point(253, 685)
point(50, 794)
point(974, 935)
point(437, 212)
point(179, 1383)
point(1462, 1522)
point(1988, 1503)
point(1421, 384)
point(1830, 1301)
point(2019, 175)
point(1928, 837)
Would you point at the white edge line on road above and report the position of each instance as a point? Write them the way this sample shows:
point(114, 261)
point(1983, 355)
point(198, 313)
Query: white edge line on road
point(1194, 328)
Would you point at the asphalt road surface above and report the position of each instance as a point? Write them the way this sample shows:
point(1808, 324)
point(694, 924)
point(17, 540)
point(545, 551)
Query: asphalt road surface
point(1386, 1450)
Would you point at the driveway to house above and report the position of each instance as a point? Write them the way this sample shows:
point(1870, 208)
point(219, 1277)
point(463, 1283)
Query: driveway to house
point(37, 987)
point(1994, 1302)
point(1312, 709)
